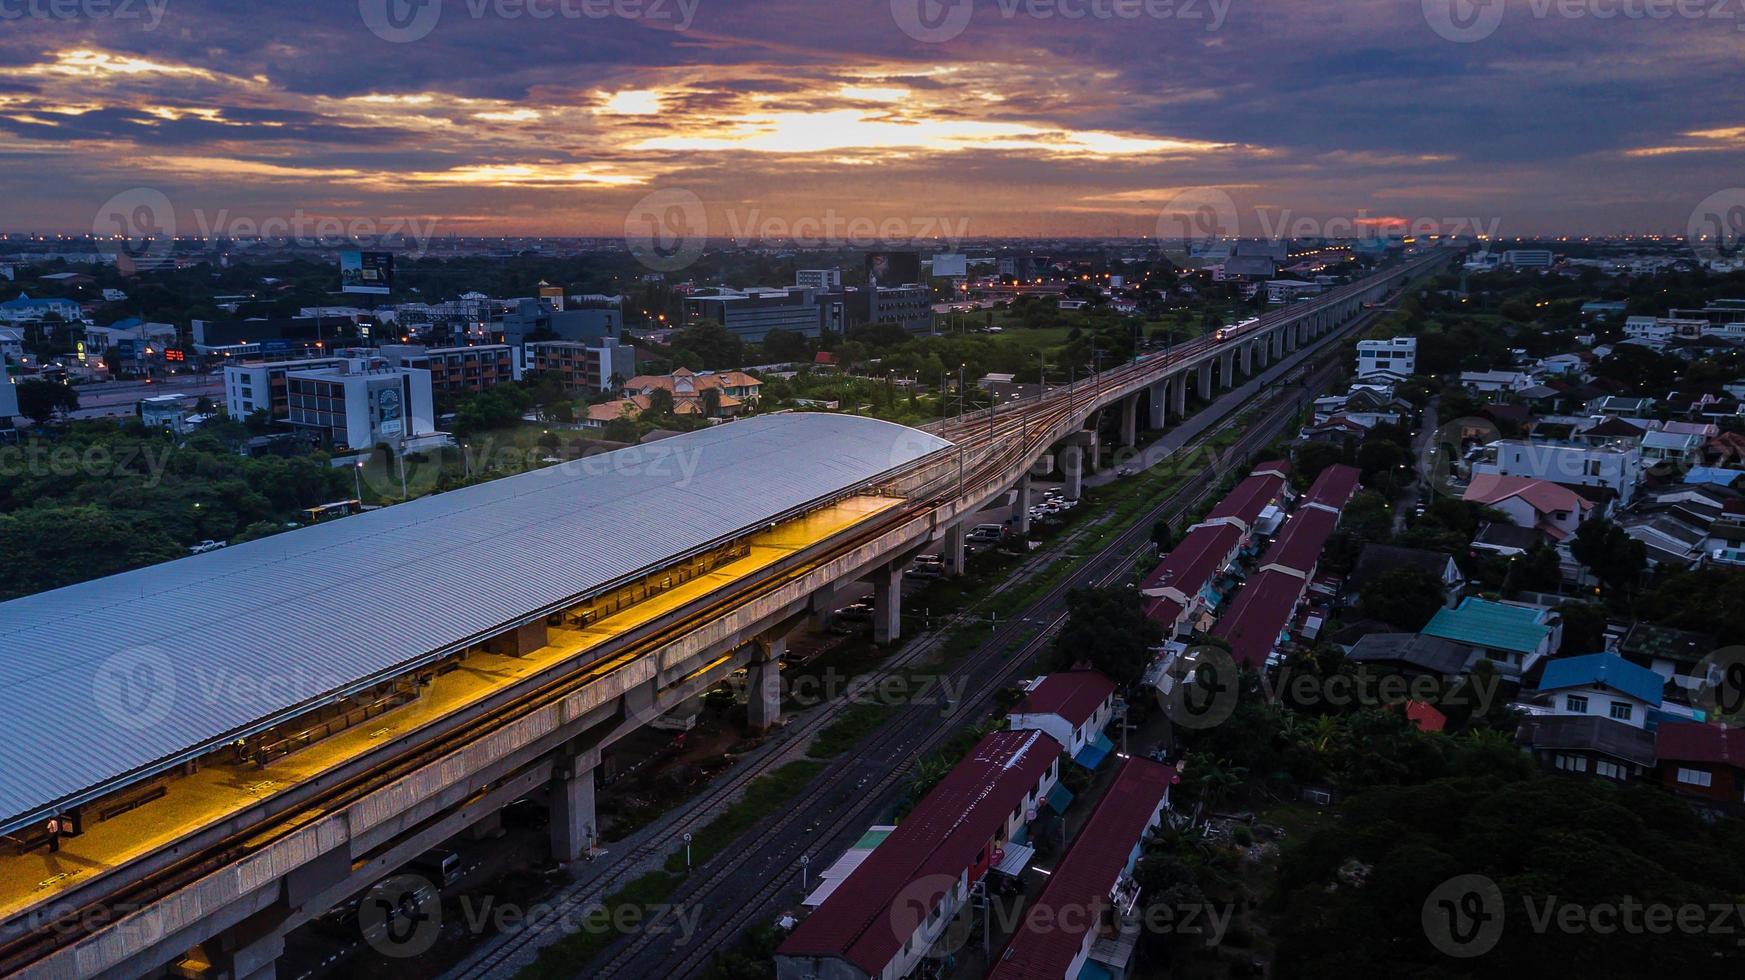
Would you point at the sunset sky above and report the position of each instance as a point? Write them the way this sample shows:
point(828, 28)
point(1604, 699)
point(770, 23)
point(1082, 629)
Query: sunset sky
point(486, 119)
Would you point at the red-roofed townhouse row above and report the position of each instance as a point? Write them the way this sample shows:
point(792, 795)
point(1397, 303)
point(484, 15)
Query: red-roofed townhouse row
point(1183, 575)
point(1071, 707)
point(886, 914)
point(1334, 488)
point(1257, 619)
point(1091, 893)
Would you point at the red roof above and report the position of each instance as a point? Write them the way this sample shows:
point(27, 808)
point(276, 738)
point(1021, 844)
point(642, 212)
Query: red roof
point(1195, 559)
point(1260, 613)
point(880, 905)
point(1073, 694)
point(1692, 742)
point(824, 357)
point(1425, 716)
point(1280, 466)
point(1248, 498)
point(1054, 927)
point(1335, 487)
point(1299, 545)
point(1164, 612)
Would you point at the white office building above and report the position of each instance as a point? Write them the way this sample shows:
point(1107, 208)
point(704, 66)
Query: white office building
point(1397, 355)
point(360, 407)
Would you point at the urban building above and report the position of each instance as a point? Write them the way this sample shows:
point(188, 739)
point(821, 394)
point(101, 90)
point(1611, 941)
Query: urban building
point(538, 319)
point(751, 315)
point(1072, 707)
point(457, 370)
point(1529, 258)
point(911, 307)
point(24, 309)
point(885, 915)
point(819, 279)
point(1084, 925)
point(1513, 636)
point(134, 341)
point(8, 396)
point(359, 404)
point(281, 334)
point(1398, 357)
point(601, 366)
point(1605, 467)
point(255, 386)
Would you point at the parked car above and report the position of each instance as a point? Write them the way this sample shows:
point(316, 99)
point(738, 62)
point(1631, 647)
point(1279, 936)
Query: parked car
point(207, 545)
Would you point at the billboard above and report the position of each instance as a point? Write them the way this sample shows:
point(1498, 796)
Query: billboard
point(893, 268)
point(950, 266)
point(366, 272)
point(390, 410)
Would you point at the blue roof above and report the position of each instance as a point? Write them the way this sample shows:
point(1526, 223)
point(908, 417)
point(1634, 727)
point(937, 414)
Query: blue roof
point(1603, 670)
point(1060, 798)
point(1094, 752)
point(1711, 474)
point(1491, 625)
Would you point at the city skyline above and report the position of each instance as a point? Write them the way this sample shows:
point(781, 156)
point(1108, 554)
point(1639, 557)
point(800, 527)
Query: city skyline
point(1000, 119)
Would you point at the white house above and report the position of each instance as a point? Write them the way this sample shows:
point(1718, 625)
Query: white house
point(1072, 707)
point(1397, 356)
point(1492, 382)
point(1618, 469)
point(1556, 511)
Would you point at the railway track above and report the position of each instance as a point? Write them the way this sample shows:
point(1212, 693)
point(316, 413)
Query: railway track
point(1033, 424)
point(899, 738)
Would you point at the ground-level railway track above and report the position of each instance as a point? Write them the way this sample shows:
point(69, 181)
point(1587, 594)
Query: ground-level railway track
point(1005, 654)
point(1036, 423)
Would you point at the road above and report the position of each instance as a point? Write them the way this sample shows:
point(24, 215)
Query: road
point(1413, 493)
point(759, 878)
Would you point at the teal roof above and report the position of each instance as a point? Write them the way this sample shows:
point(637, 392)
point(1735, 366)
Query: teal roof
point(1492, 625)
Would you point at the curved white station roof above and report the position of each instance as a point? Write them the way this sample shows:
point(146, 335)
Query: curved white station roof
point(118, 677)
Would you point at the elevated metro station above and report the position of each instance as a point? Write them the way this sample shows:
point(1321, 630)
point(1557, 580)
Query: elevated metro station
point(146, 706)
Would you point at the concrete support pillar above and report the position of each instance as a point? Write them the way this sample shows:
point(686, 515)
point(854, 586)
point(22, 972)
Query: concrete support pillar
point(1263, 353)
point(763, 688)
point(1227, 368)
point(574, 825)
point(250, 951)
point(1155, 401)
point(1072, 465)
point(953, 549)
point(1247, 359)
point(1130, 420)
point(1178, 395)
point(1290, 338)
point(1206, 381)
point(1096, 445)
point(1021, 506)
point(888, 604)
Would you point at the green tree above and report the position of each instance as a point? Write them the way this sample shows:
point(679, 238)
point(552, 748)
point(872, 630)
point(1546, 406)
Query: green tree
point(40, 400)
point(1614, 557)
point(1107, 629)
point(660, 403)
point(1405, 597)
point(48, 547)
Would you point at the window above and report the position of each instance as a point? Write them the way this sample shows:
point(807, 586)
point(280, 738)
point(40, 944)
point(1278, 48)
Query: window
point(1591, 467)
point(1621, 710)
point(1572, 763)
point(1695, 777)
point(1575, 704)
point(1610, 770)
